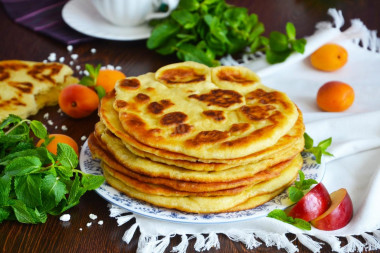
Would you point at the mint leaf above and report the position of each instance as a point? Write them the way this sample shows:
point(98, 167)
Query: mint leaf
point(22, 166)
point(27, 189)
point(281, 215)
point(276, 57)
point(11, 119)
point(295, 194)
point(4, 213)
point(67, 156)
point(27, 215)
point(5, 188)
point(91, 182)
point(38, 129)
point(308, 141)
point(52, 191)
point(64, 172)
point(278, 42)
point(319, 150)
point(76, 192)
point(87, 81)
point(299, 45)
point(302, 224)
point(100, 91)
point(290, 31)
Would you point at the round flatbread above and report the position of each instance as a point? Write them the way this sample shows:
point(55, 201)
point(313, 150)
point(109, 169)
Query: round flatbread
point(208, 113)
point(196, 204)
point(109, 117)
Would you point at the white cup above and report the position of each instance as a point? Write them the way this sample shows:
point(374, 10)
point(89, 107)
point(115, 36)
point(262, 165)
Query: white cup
point(132, 12)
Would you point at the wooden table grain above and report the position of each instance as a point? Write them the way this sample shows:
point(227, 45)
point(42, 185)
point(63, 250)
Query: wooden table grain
point(17, 42)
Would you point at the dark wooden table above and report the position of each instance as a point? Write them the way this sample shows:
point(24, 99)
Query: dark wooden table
point(17, 42)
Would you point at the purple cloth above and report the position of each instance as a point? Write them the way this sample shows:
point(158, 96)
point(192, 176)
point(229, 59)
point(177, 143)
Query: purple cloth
point(44, 16)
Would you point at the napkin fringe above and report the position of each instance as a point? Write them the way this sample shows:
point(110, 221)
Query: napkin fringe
point(247, 238)
point(250, 238)
point(309, 243)
point(372, 242)
point(353, 245)
point(152, 244)
point(199, 242)
point(182, 247)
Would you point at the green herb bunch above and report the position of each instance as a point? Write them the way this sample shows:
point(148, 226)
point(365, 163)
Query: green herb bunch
point(203, 30)
point(33, 181)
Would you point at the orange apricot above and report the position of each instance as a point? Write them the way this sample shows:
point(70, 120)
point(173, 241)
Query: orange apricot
point(78, 101)
point(329, 57)
point(108, 77)
point(59, 138)
point(335, 96)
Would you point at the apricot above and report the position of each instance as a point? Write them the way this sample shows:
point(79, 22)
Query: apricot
point(335, 96)
point(108, 77)
point(78, 101)
point(59, 138)
point(329, 57)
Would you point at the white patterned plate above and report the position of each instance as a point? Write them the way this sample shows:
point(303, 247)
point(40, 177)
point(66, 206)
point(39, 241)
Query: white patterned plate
point(82, 16)
point(92, 166)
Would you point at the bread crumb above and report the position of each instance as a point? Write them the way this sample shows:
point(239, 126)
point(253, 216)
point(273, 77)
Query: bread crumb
point(64, 127)
point(83, 138)
point(46, 115)
point(50, 122)
point(74, 56)
point(100, 222)
point(93, 216)
point(52, 57)
point(65, 217)
point(89, 224)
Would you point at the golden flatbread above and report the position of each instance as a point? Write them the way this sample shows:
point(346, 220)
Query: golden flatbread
point(97, 149)
point(209, 113)
point(196, 204)
point(109, 117)
point(198, 139)
point(28, 86)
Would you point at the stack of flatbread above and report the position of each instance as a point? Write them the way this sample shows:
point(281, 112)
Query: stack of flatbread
point(26, 86)
point(198, 139)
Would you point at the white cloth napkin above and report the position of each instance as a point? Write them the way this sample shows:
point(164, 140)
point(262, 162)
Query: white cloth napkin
point(356, 148)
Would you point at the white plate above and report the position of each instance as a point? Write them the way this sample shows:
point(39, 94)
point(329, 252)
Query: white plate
point(92, 166)
point(82, 16)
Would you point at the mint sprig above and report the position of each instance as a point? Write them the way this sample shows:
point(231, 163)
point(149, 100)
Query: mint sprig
point(91, 79)
point(318, 150)
point(281, 215)
point(296, 192)
point(281, 45)
point(33, 181)
point(204, 30)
